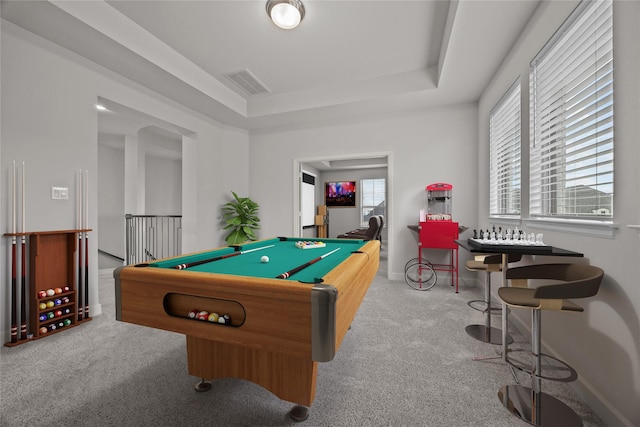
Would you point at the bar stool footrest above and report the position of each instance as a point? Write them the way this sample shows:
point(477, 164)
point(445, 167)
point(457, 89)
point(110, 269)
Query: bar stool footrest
point(481, 306)
point(552, 412)
point(571, 374)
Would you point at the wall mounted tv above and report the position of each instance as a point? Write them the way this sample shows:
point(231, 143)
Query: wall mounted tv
point(340, 194)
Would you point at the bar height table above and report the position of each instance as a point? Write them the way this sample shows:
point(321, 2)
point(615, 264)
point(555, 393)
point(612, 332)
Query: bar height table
point(517, 404)
point(476, 246)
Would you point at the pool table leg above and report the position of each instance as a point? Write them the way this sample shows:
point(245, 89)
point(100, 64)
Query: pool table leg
point(290, 377)
point(299, 413)
point(203, 386)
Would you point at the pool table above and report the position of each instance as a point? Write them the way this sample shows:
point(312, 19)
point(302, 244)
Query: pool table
point(278, 329)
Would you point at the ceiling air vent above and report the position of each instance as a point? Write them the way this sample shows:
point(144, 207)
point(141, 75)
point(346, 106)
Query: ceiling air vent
point(247, 82)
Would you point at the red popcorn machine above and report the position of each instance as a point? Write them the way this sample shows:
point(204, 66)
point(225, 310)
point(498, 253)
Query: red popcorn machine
point(437, 230)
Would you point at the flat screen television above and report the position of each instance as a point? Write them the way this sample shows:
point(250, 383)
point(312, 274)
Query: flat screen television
point(340, 194)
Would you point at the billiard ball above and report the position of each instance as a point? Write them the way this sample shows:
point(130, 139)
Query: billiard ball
point(42, 294)
point(222, 320)
point(50, 304)
point(213, 317)
point(50, 315)
point(58, 301)
point(203, 315)
point(43, 330)
point(58, 290)
point(67, 322)
point(264, 259)
point(52, 327)
point(65, 300)
point(66, 289)
point(193, 313)
point(67, 310)
point(51, 292)
point(43, 306)
point(43, 317)
point(59, 313)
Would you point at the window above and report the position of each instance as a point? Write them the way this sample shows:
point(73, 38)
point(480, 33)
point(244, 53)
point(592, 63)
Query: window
point(373, 199)
point(571, 86)
point(504, 154)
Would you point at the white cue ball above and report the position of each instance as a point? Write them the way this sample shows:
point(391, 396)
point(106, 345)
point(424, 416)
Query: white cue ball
point(264, 259)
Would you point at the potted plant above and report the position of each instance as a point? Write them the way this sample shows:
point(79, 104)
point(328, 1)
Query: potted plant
point(241, 218)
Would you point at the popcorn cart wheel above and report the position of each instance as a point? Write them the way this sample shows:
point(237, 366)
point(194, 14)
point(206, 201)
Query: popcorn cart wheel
point(421, 276)
point(415, 261)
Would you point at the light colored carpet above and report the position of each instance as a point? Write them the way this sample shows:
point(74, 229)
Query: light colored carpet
point(405, 362)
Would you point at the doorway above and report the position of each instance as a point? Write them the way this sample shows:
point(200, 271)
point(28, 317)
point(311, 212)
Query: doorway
point(140, 171)
point(354, 166)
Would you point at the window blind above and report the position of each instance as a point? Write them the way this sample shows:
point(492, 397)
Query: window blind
point(504, 154)
point(571, 87)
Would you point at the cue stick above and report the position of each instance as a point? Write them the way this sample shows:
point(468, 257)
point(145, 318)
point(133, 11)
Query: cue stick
point(305, 265)
point(14, 321)
point(86, 245)
point(205, 261)
point(79, 225)
point(23, 290)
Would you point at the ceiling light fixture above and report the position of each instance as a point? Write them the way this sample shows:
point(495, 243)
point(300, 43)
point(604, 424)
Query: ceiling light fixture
point(286, 14)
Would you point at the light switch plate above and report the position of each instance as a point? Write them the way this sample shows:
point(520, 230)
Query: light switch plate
point(59, 193)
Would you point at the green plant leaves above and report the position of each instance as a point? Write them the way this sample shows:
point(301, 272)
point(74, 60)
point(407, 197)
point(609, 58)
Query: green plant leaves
point(241, 217)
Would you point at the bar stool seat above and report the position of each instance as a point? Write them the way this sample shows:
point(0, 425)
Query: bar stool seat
point(572, 281)
point(488, 264)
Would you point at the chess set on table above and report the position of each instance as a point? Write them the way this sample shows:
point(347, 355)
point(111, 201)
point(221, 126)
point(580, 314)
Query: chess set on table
point(510, 238)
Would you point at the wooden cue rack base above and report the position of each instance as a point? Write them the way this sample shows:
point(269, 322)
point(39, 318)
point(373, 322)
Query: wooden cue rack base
point(52, 263)
point(322, 222)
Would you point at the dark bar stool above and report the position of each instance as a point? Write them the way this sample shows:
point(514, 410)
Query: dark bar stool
point(576, 281)
point(488, 264)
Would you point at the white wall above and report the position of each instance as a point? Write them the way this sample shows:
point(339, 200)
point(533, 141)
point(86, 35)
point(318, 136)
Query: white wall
point(603, 343)
point(110, 202)
point(49, 121)
point(435, 145)
point(164, 186)
point(221, 169)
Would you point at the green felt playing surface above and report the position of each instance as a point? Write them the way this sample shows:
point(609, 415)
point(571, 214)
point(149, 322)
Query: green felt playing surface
point(284, 256)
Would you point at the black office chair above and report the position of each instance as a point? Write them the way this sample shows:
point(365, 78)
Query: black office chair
point(572, 281)
point(370, 233)
point(379, 236)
